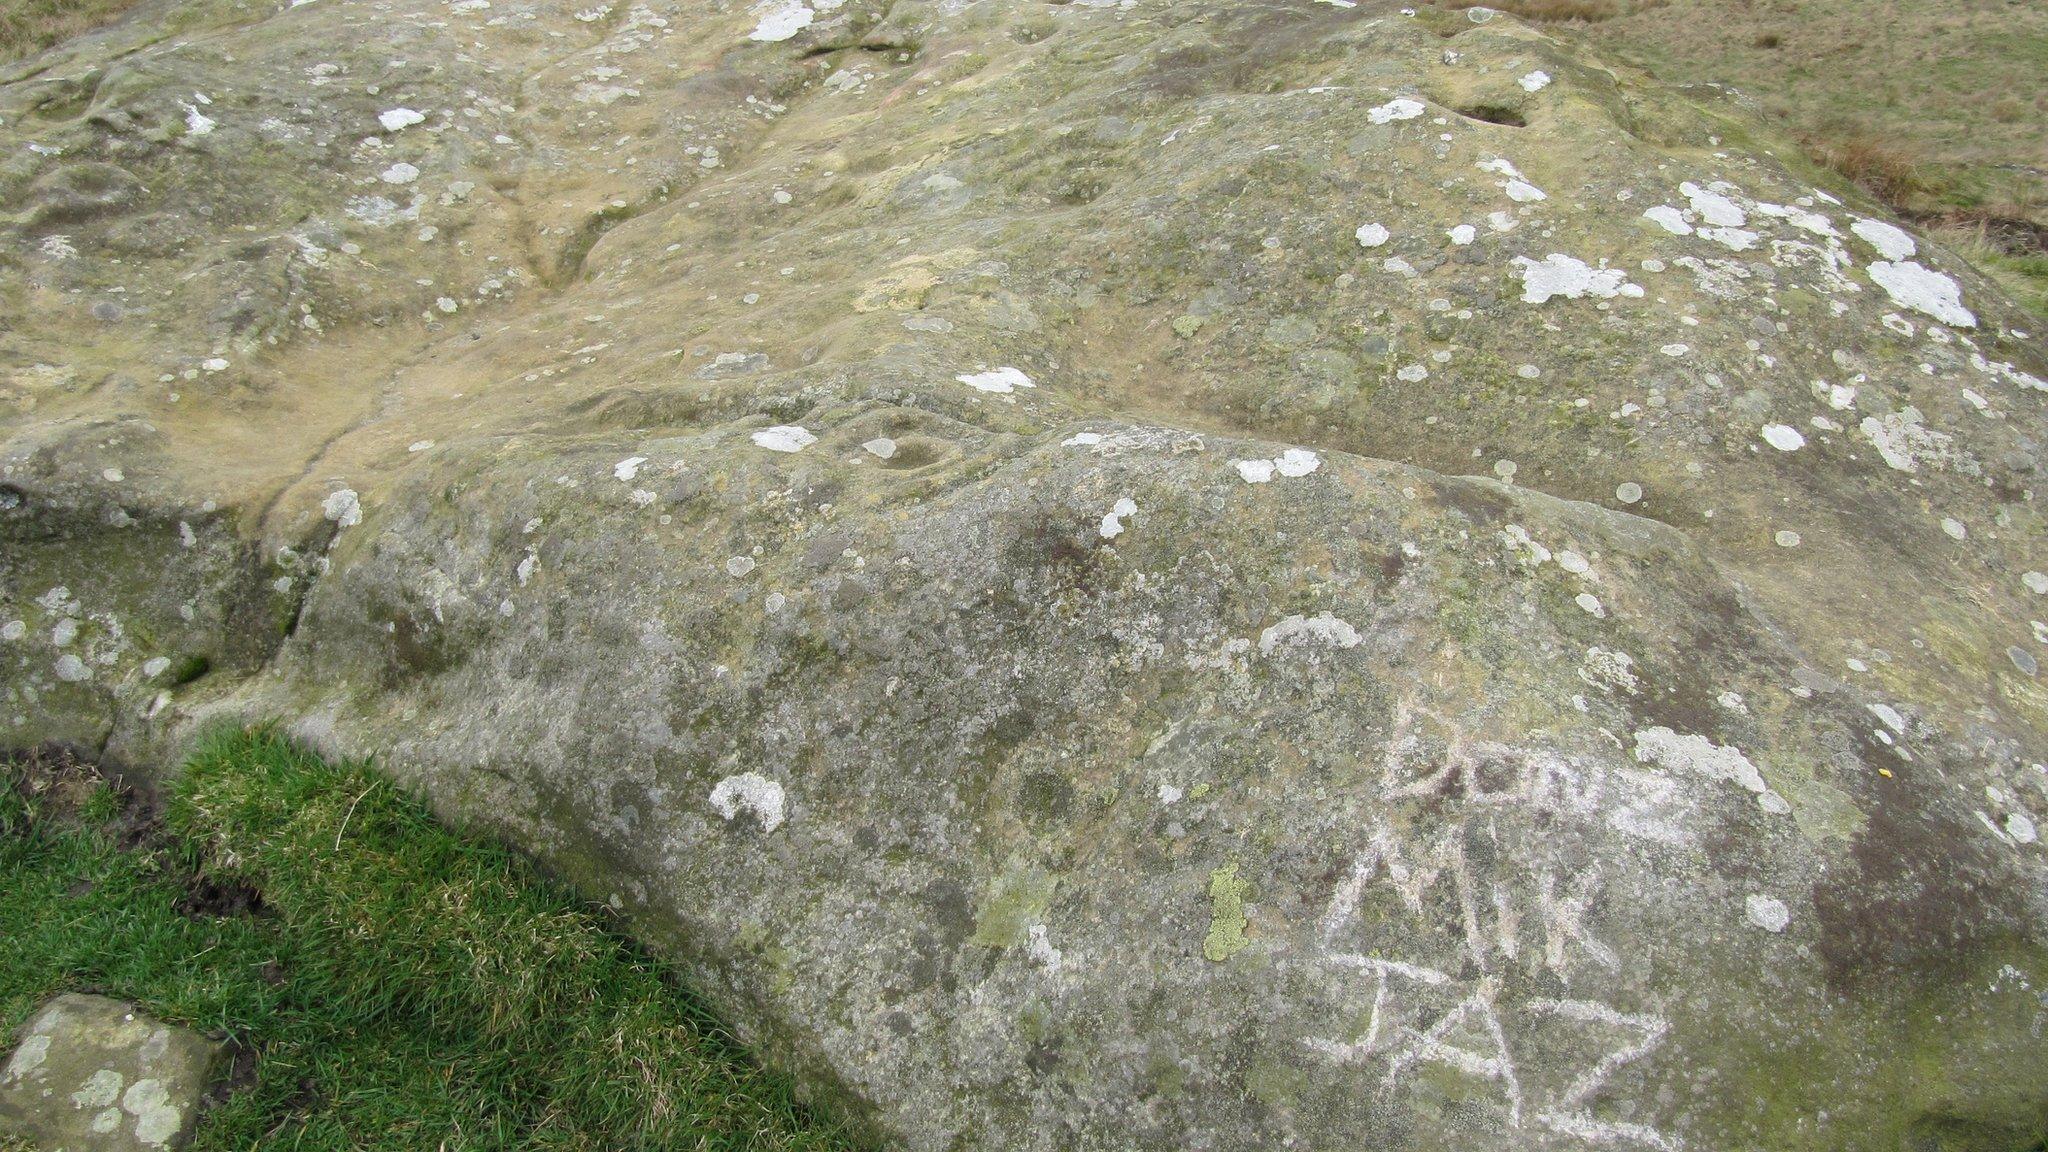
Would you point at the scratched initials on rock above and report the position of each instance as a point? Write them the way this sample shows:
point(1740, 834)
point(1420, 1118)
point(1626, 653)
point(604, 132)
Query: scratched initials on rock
point(1422, 1014)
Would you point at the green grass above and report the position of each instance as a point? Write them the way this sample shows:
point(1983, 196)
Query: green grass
point(401, 986)
point(29, 26)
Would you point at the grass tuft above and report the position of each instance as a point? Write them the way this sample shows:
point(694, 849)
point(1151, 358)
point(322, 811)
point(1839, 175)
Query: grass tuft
point(29, 26)
point(1884, 168)
point(2012, 252)
point(400, 985)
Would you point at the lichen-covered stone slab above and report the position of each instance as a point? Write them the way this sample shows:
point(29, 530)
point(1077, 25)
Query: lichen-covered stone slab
point(1216, 574)
point(91, 1074)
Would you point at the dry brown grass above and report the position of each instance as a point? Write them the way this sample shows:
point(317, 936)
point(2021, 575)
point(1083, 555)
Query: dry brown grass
point(29, 26)
point(1562, 11)
point(1887, 169)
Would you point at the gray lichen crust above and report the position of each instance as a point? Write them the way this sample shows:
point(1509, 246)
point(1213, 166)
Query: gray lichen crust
point(99, 1075)
point(1204, 574)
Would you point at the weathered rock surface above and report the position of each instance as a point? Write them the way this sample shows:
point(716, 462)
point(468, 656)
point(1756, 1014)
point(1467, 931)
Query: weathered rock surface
point(97, 1075)
point(1167, 575)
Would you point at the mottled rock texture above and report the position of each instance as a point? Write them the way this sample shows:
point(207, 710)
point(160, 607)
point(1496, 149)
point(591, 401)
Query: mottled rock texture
point(91, 1074)
point(1213, 574)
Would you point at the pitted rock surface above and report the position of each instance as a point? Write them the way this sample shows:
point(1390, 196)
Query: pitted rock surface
point(97, 1075)
point(1220, 574)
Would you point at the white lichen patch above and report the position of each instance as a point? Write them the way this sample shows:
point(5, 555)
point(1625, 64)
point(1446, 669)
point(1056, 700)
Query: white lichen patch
point(1571, 278)
point(1518, 539)
point(1890, 241)
point(781, 20)
point(1905, 443)
point(1590, 605)
point(343, 507)
point(1399, 109)
point(1294, 462)
point(1323, 630)
point(1890, 716)
point(1801, 218)
point(1372, 235)
point(996, 380)
point(1923, 290)
point(399, 119)
point(2005, 370)
point(1670, 219)
point(156, 1118)
point(2020, 827)
point(100, 1089)
point(400, 173)
point(625, 470)
point(749, 792)
point(784, 438)
point(1734, 239)
point(1784, 437)
point(1700, 756)
point(1712, 204)
point(378, 211)
point(1767, 912)
point(1609, 671)
point(28, 1056)
point(1112, 525)
point(1535, 81)
point(1516, 185)
point(1041, 952)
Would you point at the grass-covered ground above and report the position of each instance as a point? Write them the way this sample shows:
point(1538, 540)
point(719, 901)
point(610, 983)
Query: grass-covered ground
point(392, 984)
point(29, 26)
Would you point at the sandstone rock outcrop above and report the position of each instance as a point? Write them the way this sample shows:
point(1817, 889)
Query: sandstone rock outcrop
point(100, 1075)
point(1214, 574)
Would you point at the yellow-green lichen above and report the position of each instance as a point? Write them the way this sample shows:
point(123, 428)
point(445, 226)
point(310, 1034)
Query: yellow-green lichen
point(1017, 901)
point(1226, 915)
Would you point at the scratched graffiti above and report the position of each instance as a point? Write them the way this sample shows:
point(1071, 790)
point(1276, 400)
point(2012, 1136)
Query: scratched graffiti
point(1507, 897)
